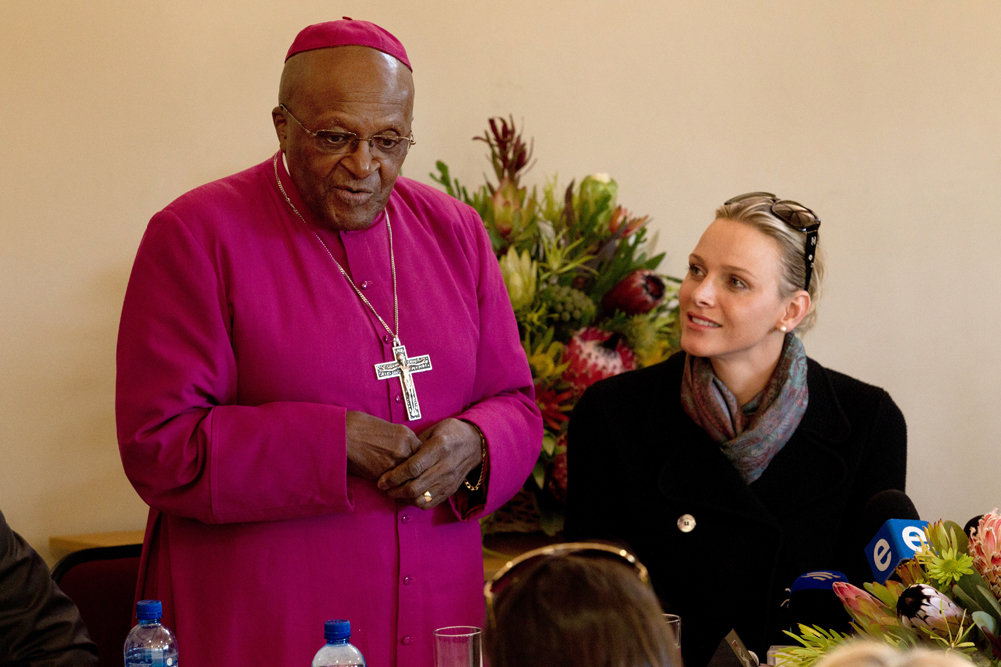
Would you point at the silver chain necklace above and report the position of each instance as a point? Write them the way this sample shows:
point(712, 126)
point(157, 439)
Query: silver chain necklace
point(403, 366)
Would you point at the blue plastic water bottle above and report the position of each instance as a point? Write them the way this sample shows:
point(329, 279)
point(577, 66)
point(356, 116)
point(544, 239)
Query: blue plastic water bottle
point(338, 651)
point(150, 644)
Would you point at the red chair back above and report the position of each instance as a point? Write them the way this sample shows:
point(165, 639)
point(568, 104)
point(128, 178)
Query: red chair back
point(102, 583)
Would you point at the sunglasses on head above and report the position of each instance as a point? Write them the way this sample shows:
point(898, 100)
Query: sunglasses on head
point(794, 215)
point(523, 566)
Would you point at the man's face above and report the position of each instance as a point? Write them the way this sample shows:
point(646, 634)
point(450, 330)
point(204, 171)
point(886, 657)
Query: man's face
point(344, 89)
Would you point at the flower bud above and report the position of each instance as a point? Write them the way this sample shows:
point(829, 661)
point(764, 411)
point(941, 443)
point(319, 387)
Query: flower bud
point(639, 292)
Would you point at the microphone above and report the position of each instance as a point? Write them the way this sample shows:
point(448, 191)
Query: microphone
point(731, 652)
point(900, 534)
point(972, 523)
point(812, 601)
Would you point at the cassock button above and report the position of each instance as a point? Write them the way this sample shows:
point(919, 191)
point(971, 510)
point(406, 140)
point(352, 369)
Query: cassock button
point(407, 580)
point(365, 284)
point(405, 640)
point(686, 523)
point(387, 338)
point(398, 398)
point(404, 518)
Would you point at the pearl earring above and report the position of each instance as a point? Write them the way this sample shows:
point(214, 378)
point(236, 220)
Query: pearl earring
point(782, 329)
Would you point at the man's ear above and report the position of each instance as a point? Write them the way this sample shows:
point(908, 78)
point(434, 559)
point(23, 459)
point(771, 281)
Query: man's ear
point(281, 124)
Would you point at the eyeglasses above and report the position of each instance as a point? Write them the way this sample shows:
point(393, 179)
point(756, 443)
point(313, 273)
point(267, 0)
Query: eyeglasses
point(524, 565)
point(390, 146)
point(795, 216)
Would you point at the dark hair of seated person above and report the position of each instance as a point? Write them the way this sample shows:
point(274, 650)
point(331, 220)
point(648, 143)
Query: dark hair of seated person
point(573, 610)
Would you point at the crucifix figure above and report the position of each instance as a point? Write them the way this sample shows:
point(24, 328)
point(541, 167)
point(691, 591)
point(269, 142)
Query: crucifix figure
point(404, 367)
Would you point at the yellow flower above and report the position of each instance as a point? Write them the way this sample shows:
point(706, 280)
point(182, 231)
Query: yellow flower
point(519, 274)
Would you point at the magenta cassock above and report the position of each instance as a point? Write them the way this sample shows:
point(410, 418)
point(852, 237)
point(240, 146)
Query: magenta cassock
point(240, 349)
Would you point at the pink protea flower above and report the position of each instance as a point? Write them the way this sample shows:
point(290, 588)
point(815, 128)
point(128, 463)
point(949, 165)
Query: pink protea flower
point(922, 607)
point(639, 292)
point(869, 614)
point(985, 549)
point(594, 354)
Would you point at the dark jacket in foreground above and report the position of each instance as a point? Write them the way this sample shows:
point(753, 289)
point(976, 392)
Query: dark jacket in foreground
point(39, 625)
point(638, 464)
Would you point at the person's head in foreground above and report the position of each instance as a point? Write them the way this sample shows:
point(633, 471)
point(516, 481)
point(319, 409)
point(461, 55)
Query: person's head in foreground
point(579, 605)
point(875, 654)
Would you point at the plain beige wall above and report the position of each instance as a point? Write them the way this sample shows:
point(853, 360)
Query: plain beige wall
point(882, 116)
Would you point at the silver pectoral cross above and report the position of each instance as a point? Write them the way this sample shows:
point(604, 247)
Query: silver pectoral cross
point(404, 367)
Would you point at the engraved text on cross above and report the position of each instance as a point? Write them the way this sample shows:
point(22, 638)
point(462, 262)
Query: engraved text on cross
point(404, 367)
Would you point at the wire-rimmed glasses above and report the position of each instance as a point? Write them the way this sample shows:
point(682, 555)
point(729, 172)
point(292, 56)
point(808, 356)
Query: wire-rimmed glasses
point(390, 146)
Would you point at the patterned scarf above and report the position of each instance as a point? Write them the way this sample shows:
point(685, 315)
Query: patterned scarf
point(750, 436)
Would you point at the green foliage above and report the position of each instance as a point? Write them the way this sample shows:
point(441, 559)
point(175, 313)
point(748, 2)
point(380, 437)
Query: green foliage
point(581, 243)
point(815, 642)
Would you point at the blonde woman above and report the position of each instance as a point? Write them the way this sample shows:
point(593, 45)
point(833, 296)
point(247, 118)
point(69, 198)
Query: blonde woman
point(738, 464)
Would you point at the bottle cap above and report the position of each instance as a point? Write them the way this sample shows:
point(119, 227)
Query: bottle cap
point(149, 610)
point(339, 629)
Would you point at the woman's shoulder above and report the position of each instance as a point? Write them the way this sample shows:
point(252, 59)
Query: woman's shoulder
point(855, 397)
point(841, 383)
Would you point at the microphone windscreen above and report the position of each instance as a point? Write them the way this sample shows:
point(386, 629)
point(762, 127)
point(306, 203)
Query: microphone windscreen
point(886, 505)
point(812, 601)
point(972, 523)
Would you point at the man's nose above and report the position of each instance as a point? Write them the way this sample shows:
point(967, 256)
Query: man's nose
point(360, 161)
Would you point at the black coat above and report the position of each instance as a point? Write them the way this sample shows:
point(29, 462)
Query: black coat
point(637, 464)
point(39, 625)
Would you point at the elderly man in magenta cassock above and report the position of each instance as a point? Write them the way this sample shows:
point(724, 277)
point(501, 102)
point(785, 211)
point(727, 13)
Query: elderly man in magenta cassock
point(320, 383)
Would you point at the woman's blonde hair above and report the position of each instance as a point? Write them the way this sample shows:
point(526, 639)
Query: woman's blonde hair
point(757, 212)
point(875, 654)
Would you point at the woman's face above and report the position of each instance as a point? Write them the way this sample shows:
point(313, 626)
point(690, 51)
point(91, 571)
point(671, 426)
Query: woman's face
point(731, 308)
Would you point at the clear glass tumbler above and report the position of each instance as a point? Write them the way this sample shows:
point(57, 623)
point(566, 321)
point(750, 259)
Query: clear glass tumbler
point(458, 646)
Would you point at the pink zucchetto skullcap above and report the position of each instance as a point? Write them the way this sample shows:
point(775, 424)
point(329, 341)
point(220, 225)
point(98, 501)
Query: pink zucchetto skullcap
point(348, 32)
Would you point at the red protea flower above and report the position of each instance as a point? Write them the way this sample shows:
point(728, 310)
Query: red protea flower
point(985, 550)
point(621, 216)
point(555, 406)
point(557, 482)
point(595, 354)
point(639, 292)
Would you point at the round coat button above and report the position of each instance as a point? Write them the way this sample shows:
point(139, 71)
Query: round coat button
point(407, 580)
point(686, 523)
point(404, 518)
point(365, 284)
point(387, 338)
point(405, 641)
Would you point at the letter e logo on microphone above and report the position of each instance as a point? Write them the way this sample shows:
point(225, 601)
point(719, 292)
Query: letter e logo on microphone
point(913, 537)
point(881, 555)
point(896, 541)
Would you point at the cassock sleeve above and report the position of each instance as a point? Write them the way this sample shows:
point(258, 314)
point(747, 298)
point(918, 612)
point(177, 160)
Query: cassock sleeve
point(508, 416)
point(185, 445)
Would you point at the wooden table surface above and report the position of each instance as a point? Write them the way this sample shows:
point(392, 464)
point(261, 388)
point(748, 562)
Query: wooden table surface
point(498, 549)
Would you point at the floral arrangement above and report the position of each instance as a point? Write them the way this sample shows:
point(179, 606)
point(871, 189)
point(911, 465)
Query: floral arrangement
point(588, 300)
point(945, 597)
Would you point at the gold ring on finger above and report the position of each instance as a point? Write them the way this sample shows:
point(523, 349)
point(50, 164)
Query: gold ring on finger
point(427, 497)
